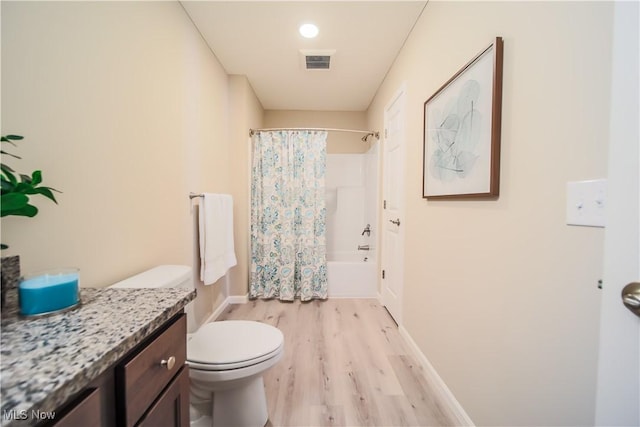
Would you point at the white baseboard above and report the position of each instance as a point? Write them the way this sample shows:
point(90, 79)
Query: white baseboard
point(238, 299)
point(218, 311)
point(444, 395)
point(234, 299)
point(351, 297)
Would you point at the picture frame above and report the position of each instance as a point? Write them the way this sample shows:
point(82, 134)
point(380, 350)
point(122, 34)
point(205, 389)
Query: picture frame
point(461, 139)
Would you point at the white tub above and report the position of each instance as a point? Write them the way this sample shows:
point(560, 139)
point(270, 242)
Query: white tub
point(350, 275)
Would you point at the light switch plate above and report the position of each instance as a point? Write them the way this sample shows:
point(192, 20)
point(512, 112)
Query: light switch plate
point(586, 202)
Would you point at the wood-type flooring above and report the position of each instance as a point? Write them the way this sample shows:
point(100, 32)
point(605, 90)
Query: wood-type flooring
point(345, 364)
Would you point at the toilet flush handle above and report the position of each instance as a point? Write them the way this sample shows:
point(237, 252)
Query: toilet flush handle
point(168, 363)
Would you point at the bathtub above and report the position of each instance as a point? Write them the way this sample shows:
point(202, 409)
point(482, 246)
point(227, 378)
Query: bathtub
point(350, 276)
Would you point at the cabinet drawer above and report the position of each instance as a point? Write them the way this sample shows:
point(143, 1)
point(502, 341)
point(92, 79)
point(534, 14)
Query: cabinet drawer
point(145, 376)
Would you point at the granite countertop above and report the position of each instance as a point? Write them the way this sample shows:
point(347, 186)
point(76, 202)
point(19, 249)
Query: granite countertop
point(46, 360)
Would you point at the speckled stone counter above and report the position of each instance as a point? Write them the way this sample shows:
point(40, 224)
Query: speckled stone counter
point(46, 360)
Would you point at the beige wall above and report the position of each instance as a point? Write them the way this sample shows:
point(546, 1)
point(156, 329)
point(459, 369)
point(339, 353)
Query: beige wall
point(501, 296)
point(337, 142)
point(125, 110)
point(247, 113)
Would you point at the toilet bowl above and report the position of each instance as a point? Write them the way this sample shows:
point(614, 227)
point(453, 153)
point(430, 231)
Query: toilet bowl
point(226, 359)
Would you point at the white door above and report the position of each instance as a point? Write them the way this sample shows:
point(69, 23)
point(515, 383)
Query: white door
point(393, 205)
point(618, 394)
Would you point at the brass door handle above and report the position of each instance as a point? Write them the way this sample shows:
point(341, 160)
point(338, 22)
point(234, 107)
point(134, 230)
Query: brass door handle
point(631, 297)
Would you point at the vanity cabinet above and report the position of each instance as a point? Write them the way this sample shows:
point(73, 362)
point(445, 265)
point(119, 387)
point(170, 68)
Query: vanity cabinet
point(84, 412)
point(148, 387)
point(172, 407)
point(93, 407)
point(152, 376)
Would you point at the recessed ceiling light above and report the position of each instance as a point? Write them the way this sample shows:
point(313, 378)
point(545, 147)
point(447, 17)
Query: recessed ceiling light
point(308, 30)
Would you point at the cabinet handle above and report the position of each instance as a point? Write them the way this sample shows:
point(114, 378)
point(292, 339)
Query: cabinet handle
point(168, 363)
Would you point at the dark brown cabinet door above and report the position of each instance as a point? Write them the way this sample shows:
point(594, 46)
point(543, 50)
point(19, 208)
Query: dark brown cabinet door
point(86, 413)
point(172, 407)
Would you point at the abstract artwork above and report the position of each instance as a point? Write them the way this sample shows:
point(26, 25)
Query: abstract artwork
point(462, 131)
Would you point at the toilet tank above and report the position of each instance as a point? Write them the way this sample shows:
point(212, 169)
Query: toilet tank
point(164, 276)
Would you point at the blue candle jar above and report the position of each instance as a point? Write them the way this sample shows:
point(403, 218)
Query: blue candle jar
point(49, 291)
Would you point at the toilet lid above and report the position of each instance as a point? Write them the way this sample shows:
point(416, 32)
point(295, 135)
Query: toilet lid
point(231, 344)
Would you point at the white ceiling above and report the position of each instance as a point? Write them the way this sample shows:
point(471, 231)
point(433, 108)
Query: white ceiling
point(260, 39)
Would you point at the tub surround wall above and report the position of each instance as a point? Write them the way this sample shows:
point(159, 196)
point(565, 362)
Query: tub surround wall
point(351, 184)
point(345, 202)
point(372, 188)
point(501, 296)
point(351, 190)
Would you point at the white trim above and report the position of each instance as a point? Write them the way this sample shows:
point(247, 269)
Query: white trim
point(218, 311)
point(443, 394)
point(249, 179)
point(234, 299)
point(238, 299)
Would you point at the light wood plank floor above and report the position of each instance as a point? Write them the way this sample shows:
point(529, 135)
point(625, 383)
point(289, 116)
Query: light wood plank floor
point(345, 364)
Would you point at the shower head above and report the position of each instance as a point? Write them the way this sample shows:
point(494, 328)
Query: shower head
point(366, 137)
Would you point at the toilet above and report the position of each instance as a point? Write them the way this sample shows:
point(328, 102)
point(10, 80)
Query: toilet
point(226, 359)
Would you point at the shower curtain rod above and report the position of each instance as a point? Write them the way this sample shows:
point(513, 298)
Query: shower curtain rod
point(369, 133)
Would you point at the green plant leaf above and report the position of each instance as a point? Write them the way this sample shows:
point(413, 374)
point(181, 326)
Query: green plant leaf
point(28, 210)
point(10, 177)
point(17, 188)
point(36, 178)
point(24, 188)
point(6, 186)
point(3, 246)
point(6, 168)
point(46, 191)
point(9, 154)
point(12, 202)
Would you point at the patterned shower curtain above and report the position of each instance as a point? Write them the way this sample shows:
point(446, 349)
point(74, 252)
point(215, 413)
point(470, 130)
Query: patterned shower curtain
point(288, 215)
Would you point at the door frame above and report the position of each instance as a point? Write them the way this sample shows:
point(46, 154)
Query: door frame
point(399, 94)
point(618, 382)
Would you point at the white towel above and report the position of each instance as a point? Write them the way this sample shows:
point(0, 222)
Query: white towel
point(217, 252)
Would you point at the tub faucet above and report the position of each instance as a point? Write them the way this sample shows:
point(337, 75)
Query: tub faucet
point(367, 230)
point(363, 247)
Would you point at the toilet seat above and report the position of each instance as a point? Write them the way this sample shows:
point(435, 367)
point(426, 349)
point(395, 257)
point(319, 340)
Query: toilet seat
point(233, 344)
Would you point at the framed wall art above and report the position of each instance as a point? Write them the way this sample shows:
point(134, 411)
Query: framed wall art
point(461, 137)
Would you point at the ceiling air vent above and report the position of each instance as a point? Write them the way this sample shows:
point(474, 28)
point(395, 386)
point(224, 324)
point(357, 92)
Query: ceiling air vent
point(317, 59)
point(318, 62)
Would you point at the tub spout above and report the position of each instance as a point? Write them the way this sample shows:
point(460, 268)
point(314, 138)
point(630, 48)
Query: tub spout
point(363, 247)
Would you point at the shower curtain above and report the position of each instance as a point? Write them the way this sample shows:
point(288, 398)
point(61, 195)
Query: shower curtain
point(288, 215)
